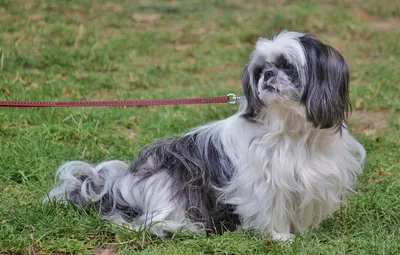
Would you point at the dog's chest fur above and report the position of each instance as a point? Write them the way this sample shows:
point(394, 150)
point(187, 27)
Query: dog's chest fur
point(289, 175)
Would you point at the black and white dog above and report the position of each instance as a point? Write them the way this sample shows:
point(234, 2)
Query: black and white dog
point(278, 166)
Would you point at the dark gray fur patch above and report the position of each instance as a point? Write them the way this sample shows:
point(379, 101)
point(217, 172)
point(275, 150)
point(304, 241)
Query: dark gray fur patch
point(326, 95)
point(254, 104)
point(108, 206)
point(197, 168)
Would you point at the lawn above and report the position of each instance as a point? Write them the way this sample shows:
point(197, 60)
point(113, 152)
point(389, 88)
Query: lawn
point(98, 50)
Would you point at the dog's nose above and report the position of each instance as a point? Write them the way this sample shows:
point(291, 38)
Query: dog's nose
point(270, 73)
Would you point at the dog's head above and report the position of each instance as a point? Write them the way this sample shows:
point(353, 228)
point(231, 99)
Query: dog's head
point(297, 70)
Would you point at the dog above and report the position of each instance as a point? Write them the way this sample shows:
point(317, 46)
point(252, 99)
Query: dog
point(277, 167)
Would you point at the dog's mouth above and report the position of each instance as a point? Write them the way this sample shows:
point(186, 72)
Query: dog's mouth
point(271, 88)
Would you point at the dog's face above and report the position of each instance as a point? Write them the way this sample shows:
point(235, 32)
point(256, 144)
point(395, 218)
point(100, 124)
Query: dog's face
point(297, 70)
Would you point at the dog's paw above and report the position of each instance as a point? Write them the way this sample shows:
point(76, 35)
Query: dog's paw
point(283, 237)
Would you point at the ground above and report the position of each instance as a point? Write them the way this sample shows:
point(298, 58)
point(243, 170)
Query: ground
point(77, 50)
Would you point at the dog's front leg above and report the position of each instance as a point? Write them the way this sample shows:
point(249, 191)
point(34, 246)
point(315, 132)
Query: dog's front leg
point(281, 231)
point(281, 224)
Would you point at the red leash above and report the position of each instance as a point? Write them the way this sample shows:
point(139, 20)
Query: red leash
point(230, 98)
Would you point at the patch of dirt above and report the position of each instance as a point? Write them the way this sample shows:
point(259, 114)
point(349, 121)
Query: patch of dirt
point(362, 14)
point(130, 134)
point(181, 46)
point(109, 250)
point(112, 7)
point(386, 24)
point(34, 250)
point(67, 92)
point(104, 95)
point(359, 101)
point(368, 122)
point(376, 176)
point(62, 76)
point(175, 27)
point(140, 17)
point(79, 76)
point(199, 31)
point(379, 24)
point(35, 17)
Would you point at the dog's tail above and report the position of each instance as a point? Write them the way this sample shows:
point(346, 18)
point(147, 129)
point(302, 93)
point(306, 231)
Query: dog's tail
point(84, 185)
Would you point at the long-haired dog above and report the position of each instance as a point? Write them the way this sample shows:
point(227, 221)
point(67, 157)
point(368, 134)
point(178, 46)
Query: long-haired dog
point(278, 166)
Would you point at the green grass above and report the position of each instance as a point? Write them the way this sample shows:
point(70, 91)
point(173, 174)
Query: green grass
point(71, 50)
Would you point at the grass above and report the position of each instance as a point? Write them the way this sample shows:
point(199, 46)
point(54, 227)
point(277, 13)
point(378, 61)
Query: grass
point(73, 50)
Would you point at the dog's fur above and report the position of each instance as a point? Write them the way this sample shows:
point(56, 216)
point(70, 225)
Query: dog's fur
point(278, 166)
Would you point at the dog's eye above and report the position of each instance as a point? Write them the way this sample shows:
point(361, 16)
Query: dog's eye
point(286, 65)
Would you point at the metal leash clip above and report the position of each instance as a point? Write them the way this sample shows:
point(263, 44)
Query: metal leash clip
point(232, 98)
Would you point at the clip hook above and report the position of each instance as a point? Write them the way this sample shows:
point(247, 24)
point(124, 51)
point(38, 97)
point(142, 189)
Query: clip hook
point(232, 98)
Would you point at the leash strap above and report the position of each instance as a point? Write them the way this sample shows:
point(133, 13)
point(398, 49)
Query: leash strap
point(230, 98)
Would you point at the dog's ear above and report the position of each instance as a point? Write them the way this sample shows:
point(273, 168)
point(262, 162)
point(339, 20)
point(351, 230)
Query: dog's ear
point(326, 93)
point(253, 103)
